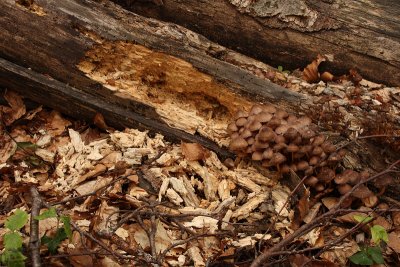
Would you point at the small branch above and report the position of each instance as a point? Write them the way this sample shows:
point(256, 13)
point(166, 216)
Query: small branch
point(34, 240)
point(367, 137)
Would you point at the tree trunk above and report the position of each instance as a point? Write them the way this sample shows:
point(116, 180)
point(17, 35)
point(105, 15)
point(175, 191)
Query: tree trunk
point(357, 34)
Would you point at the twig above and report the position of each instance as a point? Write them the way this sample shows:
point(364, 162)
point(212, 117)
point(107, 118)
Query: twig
point(34, 240)
point(317, 221)
point(366, 137)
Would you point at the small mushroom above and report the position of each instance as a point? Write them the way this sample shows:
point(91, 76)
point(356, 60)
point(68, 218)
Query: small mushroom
point(281, 129)
point(268, 153)
point(292, 148)
point(328, 147)
point(265, 134)
point(281, 114)
point(318, 140)
point(344, 188)
point(285, 168)
point(234, 135)
point(277, 159)
point(246, 134)
point(319, 187)
point(274, 122)
point(302, 165)
point(240, 114)
point(311, 181)
point(291, 133)
point(298, 140)
point(238, 144)
point(254, 126)
point(250, 140)
point(293, 167)
point(229, 163)
point(317, 151)
point(362, 191)
point(306, 149)
point(326, 175)
point(279, 139)
point(314, 160)
point(291, 119)
point(348, 176)
point(263, 117)
point(309, 171)
point(306, 133)
point(279, 146)
point(258, 145)
point(232, 127)
point(256, 109)
point(370, 201)
point(257, 155)
point(241, 122)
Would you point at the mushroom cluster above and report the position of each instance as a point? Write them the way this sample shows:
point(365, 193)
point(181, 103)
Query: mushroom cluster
point(286, 142)
point(281, 140)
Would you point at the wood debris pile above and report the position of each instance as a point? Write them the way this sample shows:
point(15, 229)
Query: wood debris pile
point(165, 202)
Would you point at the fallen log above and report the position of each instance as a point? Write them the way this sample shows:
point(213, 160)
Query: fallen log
point(83, 57)
point(360, 34)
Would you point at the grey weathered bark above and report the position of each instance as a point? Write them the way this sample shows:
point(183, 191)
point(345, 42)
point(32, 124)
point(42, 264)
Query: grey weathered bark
point(361, 33)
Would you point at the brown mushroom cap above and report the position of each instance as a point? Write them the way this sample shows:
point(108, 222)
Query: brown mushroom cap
point(254, 126)
point(263, 117)
point(370, 201)
point(256, 109)
point(240, 114)
point(297, 141)
point(348, 176)
point(291, 133)
point(306, 133)
point(230, 163)
point(241, 122)
point(302, 122)
point(344, 188)
point(292, 148)
point(383, 180)
point(258, 145)
point(232, 127)
point(234, 135)
point(250, 140)
point(302, 165)
point(279, 139)
point(281, 114)
point(285, 168)
point(319, 187)
point(328, 147)
point(314, 160)
point(277, 159)
point(237, 144)
point(309, 171)
point(257, 155)
point(318, 140)
point(279, 146)
point(306, 149)
point(246, 134)
point(291, 119)
point(326, 175)
point(268, 153)
point(265, 134)
point(274, 122)
point(362, 191)
point(281, 129)
point(311, 181)
point(317, 151)
point(293, 167)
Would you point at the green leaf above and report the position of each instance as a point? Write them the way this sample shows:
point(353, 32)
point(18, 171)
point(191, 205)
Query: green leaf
point(13, 258)
point(12, 240)
point(67, 225)
point(50, 213)
point(53, 242)
point(26, 145)
point(361, 258)
point(280, 68)
point(379, 233)
point(376, 254)
point(362, 219)
point(17, 220)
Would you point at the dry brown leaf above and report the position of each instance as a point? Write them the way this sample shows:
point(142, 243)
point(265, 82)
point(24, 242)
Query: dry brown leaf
point(394, 241)
point(194, 151)
point(310, 73)
point(15, 110)
point(99, 121)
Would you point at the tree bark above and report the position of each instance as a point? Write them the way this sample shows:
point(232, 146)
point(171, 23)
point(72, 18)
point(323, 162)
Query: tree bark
point(83, 57)
point(357, 34)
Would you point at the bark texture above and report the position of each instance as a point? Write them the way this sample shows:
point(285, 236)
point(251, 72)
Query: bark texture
point(359, 34)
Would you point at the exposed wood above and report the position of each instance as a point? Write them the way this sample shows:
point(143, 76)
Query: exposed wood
point(362, 34)
point(70, 41)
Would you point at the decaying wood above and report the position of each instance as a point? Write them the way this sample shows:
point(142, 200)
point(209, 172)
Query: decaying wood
point(143, 73)
point(292, 33)
point(189, 100)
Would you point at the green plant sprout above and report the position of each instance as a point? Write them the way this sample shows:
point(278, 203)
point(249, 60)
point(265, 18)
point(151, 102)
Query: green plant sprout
point(370, 255)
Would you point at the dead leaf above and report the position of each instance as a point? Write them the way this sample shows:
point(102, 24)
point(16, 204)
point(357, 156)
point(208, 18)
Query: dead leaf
point(15, 110)
point(394, 241)
point(310, 73)
point(194, 151)
point(99, 121)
